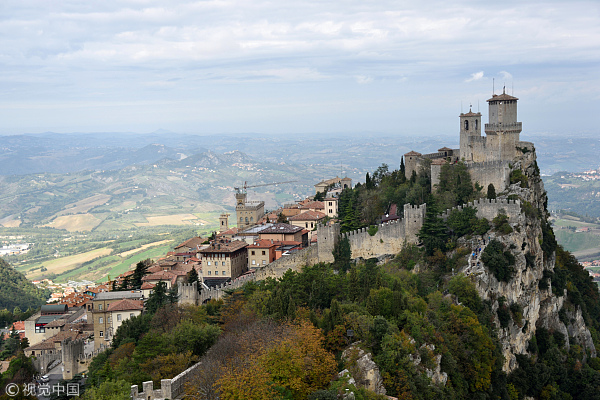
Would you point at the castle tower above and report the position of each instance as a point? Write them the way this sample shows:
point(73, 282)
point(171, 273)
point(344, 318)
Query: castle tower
point(503, 130)
point(470, 126)
point(223, 222)
point(412, 161)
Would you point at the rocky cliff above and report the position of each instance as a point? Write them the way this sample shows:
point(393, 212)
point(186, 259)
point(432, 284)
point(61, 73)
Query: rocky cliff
point(528, 293)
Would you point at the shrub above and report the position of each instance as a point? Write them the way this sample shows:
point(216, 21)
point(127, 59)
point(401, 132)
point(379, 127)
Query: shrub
point(372, 230)
point(501, 224)
point(499, 261)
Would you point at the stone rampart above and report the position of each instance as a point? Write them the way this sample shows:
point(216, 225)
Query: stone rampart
point(495, 172)
point(388, 239)
point(489, 209)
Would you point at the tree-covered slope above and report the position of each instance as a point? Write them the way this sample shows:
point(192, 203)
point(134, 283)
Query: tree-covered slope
point(17, 291)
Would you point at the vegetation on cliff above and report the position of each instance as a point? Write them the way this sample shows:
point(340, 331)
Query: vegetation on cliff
point(17, 291)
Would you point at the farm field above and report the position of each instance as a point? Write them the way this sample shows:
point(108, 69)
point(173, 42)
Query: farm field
point(75, 223)
point(63, 264)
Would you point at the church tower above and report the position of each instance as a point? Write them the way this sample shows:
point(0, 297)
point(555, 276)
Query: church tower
point(470, 126)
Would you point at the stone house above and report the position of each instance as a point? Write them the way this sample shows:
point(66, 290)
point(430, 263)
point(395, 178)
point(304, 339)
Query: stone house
point(103, 317)
point(223, 260)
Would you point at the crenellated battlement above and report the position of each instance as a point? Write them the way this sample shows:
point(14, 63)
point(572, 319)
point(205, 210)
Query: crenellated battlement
point(489, 208)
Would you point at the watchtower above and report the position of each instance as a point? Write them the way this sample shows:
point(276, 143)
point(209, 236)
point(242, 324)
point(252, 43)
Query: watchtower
point(503, 130)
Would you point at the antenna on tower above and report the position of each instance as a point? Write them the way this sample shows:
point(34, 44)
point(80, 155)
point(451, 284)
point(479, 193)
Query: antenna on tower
point(493, 86)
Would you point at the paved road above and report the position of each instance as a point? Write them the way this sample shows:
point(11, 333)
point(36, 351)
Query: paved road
point(55, 376)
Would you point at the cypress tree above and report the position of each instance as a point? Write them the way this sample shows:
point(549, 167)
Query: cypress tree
point(491, 191)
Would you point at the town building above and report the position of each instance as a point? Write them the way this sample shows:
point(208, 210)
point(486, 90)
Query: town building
point(308, 220)
point(223, 260)
point(248, 213)
point(261, 253)
point(285, 232)
point(103, 316)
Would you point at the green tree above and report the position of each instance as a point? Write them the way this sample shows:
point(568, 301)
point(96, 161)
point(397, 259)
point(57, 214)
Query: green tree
point(342, 254)
point(141, 270)
point(433, 233)
point(158, 297)
point(491, 191)
point(109, 390)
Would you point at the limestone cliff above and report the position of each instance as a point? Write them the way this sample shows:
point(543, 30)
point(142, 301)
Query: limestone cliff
point(540, 307)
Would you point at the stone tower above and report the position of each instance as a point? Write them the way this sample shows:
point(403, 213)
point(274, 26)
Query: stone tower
point(501, 133)
point(248, 213)
point(503, 130)
point(470, 128)
point(223, 222)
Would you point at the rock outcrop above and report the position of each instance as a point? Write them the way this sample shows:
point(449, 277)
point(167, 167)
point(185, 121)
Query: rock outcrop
point(540, 306)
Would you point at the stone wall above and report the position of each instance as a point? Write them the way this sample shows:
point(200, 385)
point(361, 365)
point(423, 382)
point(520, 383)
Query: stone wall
point(494, 172)
point(489, 209)
point(72, 352)
point(389, 238)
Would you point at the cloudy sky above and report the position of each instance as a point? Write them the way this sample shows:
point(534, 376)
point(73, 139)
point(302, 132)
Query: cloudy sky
point(344, 66)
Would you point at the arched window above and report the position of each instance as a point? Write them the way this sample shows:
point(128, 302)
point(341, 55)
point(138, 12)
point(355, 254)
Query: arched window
point(466, 124)
point(246, 219)
point(475, 124)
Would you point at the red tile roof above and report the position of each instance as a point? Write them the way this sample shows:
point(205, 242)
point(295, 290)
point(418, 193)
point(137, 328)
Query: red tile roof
point(226, 247)
point(126, 304)
point(192, 243)
point(308, 216)
point(147, 285)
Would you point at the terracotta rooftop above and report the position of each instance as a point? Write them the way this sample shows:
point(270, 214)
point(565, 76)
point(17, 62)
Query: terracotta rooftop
point(313, 204)
point(412, 153)
point(147, 285)
point(226, 247)
point(126, 304)
point(445, 149)
point(502, 96)
point(18, 326)
point(231, 231)
point(263, 243)
point(281, 228)
point(192, 243)
point(308, 216)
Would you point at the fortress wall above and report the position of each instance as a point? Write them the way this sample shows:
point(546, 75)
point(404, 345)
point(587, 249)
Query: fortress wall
point(389, 239)
point(489, 209)
point(494, 172)
point(327, 237)
point(72, 351)
point(294, 261)
point(188, 293)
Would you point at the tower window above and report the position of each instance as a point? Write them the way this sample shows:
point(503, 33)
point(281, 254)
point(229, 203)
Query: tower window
point(475, 124)
point(466, 124)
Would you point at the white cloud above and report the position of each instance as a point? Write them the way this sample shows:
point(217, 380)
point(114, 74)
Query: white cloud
point(477, 76)
point(70, 50)
point(362, 80)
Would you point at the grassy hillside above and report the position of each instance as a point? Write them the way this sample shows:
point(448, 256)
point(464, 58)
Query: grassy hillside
point(17, 291)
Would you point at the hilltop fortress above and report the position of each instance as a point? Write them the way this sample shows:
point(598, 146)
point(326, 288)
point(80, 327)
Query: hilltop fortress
point(487, 157)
